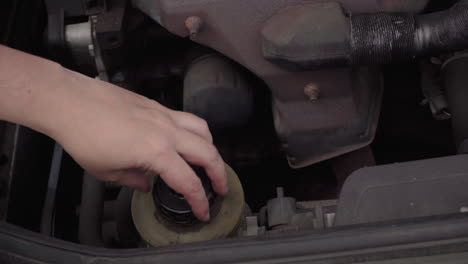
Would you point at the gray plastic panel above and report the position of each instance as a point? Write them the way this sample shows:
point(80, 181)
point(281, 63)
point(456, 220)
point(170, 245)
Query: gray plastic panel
point(405, 190)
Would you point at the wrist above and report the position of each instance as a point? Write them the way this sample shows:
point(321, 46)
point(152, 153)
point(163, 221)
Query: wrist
point(50, 91)
point(30, 89)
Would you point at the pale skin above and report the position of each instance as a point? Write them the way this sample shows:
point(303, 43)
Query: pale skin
point(114, 134)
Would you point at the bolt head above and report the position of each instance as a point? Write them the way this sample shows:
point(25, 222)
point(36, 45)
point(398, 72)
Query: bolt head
point(194, 25)
point(312, 91)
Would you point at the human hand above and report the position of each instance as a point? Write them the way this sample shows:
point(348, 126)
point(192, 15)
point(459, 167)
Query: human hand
point(117, 136)
point(112, 133)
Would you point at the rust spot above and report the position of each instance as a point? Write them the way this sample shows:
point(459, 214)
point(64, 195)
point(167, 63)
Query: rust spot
point(194, 25)
point(312, 92)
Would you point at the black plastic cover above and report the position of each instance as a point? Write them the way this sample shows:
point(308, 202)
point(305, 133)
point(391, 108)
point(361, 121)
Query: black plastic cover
point(405, 190)
point(307, 36)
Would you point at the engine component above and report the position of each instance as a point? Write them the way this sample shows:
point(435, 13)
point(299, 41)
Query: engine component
point(47, 217)
point(402, 5)
point(217, 90)
point(318, 115)
point(173, 205)
point(455, 81)
point(157, 230)
point(284, 213)
point(91, 212)
point(348, 123)
point(125, 229)
point(281, 209)
point(80, 46)
point(79, 40)
point(431, 240)
point(344, 117)
point(432, 91)
point(323, 36)
point(300, 35)
point(404, 190)
point(149, 7)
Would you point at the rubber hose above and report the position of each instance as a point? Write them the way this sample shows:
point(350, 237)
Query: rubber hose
point(218, 91)
point(127, 233)
point(90, 220)
point(456, 88)
point(386, 37)
point(340, 40)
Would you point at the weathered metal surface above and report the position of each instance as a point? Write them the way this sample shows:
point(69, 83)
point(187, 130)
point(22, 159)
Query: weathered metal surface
point(311, 132)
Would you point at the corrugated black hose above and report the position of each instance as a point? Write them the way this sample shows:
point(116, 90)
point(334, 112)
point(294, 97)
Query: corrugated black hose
point(338, 39)
point(386, 37)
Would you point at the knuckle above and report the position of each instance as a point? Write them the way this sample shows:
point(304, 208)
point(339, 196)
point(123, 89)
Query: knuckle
point(212, 154)
point(171, 130)
point(201, 123)
point(204, 125)
point(163, 151)
point(190, 115)
point(150, 103)
point(159, 150)
point(161, 119)
point(205, 129)
point(166, 130)
point(165, 124)
point(193, 187)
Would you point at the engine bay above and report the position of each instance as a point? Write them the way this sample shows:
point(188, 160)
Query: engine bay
point(327, 114)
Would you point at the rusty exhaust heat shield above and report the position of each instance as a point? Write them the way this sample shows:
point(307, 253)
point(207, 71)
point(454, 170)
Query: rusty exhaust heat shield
point(341, 119)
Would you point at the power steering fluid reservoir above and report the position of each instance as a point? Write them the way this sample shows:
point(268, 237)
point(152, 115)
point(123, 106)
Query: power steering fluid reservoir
point(163, 217)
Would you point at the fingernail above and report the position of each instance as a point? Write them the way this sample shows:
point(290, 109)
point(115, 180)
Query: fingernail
point(225, 188)
point(220, 189)
point(206, 218)
point(224, 191)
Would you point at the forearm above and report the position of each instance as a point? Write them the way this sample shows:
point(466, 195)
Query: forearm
point(29, 89)
point(114, 134)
